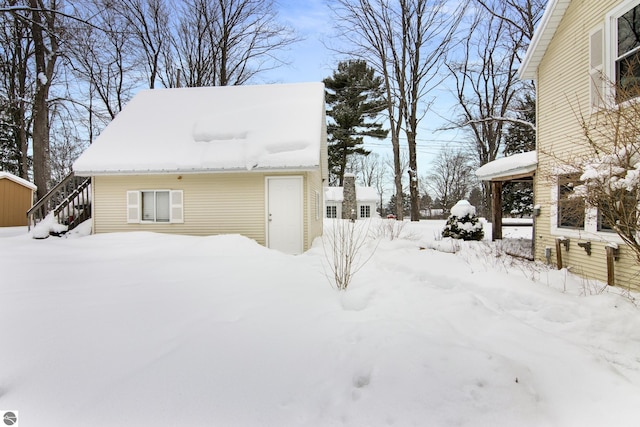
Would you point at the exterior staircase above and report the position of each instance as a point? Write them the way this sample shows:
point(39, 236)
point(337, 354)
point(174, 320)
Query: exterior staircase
point(69, 200)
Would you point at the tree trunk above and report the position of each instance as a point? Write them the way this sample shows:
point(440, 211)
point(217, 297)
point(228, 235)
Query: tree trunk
point(44, 71)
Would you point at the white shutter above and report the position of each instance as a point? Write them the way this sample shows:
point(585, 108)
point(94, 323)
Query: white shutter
point(133, 206)
point(176, 206)
point(596, 68)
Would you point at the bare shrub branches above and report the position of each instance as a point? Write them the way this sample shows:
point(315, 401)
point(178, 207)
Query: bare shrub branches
point(344, 244)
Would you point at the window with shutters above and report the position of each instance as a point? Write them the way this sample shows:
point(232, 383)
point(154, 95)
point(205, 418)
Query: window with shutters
point(154, 206)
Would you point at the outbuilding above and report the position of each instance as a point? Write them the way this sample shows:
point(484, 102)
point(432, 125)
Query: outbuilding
point(247, 160)
point(16, 198)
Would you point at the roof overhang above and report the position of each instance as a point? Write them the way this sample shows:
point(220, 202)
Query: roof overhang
point(88, 173)
point(517, 166)
point(18, 180)
point(543, 35)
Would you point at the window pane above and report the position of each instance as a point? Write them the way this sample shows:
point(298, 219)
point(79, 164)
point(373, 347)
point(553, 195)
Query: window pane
point(162, 206)
point(619, 209)
point(628, 76)
point(148, 206)
point(629, 31)
point(365, 211)
point(570, 209)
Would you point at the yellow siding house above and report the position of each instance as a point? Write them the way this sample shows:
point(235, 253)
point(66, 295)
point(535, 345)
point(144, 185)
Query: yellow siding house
point(575, 59)
point(247, 160)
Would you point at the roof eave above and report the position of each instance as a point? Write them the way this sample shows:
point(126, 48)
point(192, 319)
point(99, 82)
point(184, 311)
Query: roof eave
point(541, 38)
point(192, 171)
point(508, 175)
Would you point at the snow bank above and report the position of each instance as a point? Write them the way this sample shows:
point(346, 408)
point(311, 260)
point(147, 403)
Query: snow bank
point(48, 225)
point(157, 330)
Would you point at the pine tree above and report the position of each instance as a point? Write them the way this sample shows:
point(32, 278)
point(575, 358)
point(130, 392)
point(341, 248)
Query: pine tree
point(355, 98)
point(517, 197)
point(463, 223)
point(9, 151)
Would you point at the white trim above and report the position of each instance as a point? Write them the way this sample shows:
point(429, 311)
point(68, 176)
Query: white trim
point(543, 35)
point(193, 171)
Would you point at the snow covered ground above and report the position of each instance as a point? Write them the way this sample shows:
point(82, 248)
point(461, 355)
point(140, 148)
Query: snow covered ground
point(143, 329)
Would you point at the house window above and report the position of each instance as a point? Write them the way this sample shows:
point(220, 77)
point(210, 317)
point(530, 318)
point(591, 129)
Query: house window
point(332, 211)
point(571, 210)
point(160, 206)
point(622, 212)
point(627, 55)
point(365, 211)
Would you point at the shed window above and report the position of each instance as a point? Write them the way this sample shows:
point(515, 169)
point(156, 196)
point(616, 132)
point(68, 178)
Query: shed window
point(332, 212)
point(365, 211)
point(155, 206)
point(160, 206)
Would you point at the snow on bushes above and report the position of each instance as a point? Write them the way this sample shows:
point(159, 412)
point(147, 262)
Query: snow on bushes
point(463, 223)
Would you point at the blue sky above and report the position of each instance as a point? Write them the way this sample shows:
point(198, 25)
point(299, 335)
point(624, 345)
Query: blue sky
point(311, 60)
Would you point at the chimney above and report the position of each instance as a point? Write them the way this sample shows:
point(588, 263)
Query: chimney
point(349, 204)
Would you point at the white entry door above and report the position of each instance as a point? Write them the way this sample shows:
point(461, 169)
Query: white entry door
point(284, 214)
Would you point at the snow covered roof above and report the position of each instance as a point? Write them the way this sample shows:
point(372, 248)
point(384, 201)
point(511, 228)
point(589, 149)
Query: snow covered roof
point(506, 168)
point(363, 194)
point(206, 129)
point(543, 35)
point(17, 179)
point(366, 194)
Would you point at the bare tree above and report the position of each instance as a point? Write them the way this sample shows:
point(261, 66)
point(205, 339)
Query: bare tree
point(486, 84)
point(45, 28)
point(406, 42)
point(521, 15)
point(227, 42)
point(149, 24)
point(485, 74)
point(451, 177)
point(101, 55)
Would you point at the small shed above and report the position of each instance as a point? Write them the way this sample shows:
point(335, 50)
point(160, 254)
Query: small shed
point(247, 160)
point(16, 198)
point(351, 199)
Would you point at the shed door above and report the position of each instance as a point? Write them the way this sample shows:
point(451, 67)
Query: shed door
point(284, 214)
